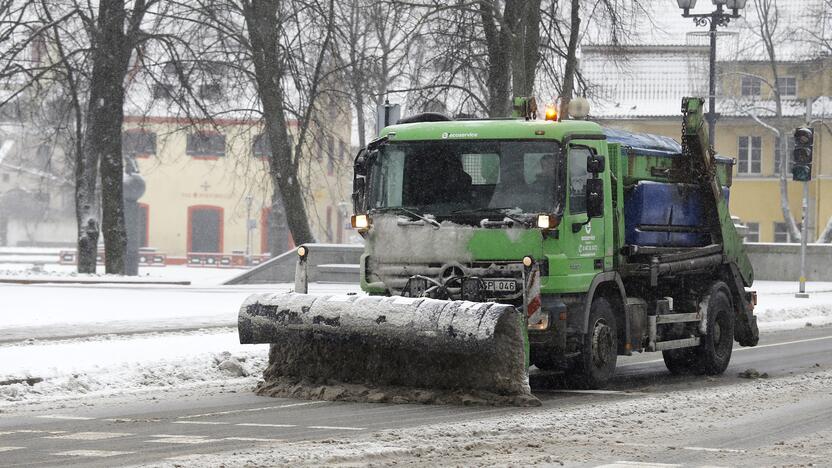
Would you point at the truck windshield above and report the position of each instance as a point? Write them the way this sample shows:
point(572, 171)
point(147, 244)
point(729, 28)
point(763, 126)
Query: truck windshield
point(455, 176)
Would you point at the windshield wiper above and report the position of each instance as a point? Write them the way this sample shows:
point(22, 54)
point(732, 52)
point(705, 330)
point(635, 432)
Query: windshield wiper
point(402, 209)
point(486, 209)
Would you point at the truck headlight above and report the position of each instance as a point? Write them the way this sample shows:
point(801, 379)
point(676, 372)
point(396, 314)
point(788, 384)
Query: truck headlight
point(360, 222)
point(547, 221)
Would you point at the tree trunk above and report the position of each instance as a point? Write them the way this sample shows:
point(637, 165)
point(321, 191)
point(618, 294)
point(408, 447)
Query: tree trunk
point(791, 224)
point(571, 59)
point(360, 117)
point(767, 14)
point(102, 139)
point(498, 45)
point(278, 234)
point(262, 25)
point(526, 45)
point(825, 236)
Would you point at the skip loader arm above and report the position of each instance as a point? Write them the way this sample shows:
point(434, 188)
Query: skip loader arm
point(701, 160)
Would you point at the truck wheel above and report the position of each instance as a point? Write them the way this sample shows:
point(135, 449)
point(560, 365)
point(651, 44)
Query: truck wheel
point(714, 352)
point(596, 364)
point(680, 361)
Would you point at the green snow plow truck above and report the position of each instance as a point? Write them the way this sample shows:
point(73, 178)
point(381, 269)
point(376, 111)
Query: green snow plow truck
point(494, 245)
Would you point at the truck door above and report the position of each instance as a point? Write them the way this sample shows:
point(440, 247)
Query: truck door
point(582, 239)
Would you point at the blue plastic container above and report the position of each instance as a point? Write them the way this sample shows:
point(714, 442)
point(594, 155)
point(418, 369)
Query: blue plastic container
point(665, 215)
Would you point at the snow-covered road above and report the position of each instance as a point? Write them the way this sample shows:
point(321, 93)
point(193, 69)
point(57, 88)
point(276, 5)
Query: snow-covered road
point(100, 340)
point(646, 417)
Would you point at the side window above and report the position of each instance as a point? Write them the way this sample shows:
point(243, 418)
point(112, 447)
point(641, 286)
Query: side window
point(388, 178)
point(577, 179)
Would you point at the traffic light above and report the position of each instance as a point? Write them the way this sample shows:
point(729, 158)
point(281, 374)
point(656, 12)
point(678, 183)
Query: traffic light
point(803, 141)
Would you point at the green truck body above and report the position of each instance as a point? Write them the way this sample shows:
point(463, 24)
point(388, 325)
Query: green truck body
point(585, 288)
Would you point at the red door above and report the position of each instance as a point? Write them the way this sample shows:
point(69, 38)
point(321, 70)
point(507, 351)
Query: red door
point(205, 224)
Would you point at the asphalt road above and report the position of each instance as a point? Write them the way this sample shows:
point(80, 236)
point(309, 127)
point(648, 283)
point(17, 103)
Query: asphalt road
point(118, 434)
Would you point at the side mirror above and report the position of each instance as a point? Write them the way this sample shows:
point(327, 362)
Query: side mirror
point(595, 163)
point(595, 198)
point(359, 191)
point(359, 179)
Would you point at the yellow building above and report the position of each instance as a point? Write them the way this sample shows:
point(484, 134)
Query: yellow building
point(204, 182)
point(647, 99)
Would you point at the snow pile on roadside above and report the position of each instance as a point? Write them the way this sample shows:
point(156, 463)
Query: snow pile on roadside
point(123, 365)
point(197, 276)
point(783, 311)
point(631, 427)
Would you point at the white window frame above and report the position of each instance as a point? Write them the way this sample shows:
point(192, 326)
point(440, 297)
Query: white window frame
point(747, 83)
point(780, 84)
point(784, 230)
point(747, 156)
point(753, 233)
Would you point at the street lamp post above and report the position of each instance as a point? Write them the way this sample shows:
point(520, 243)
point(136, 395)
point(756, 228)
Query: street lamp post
point(249, 224)
point(718, 17)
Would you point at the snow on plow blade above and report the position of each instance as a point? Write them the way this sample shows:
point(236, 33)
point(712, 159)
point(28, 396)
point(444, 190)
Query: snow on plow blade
point(371, 348)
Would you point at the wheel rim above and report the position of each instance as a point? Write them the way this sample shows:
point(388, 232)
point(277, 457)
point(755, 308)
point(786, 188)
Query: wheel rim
point(602, 343)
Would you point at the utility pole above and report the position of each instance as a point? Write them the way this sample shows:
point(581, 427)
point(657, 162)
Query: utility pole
point(249, 223)
point(802, 290)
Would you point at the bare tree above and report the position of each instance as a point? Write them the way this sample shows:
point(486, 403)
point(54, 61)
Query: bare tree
point(569, 69)
point(284, 51)
point(377, 42)
point(89, 48)
point(482, 53)
point(817, 31)
point(357, 57)
point(112, 43)
point(512, 38)
point(767, 31)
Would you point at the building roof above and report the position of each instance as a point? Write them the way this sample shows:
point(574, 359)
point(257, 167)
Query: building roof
point(667, 27)
point(668, 59)
point(726, 107)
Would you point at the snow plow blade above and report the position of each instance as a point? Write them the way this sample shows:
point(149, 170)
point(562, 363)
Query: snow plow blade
point(371, 348)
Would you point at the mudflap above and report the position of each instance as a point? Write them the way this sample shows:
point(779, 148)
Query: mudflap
point(397, 349)
point(745, 325)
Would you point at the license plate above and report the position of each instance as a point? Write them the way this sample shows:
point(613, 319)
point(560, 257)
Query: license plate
point(499, 285)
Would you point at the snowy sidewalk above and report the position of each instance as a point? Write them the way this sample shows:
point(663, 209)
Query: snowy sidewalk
point(63, 311)
point(778, 309)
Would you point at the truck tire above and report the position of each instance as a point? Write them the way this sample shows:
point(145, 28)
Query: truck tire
point(596, 364)
point(680, 361)
point(713, 354)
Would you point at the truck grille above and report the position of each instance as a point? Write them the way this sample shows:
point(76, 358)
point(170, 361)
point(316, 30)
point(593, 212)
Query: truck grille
point(395, 275)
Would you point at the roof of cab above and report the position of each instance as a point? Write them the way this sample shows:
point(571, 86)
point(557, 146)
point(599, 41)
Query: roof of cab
point(497, 129)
